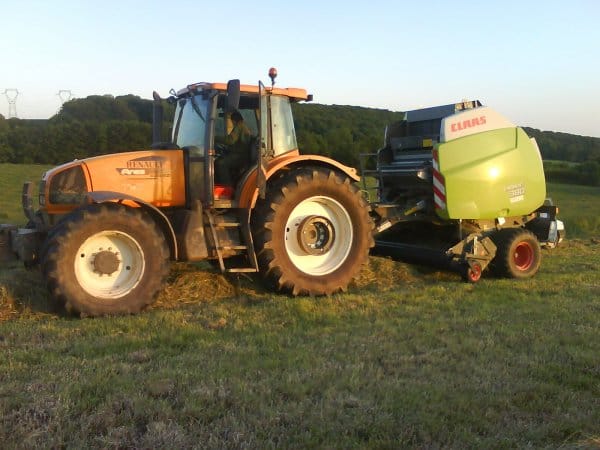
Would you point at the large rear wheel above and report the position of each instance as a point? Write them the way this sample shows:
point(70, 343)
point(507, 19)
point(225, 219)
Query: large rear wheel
point(106, 259)
point(313, 232)
point(518, 253)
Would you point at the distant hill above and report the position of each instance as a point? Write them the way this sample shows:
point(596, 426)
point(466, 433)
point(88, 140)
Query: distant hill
point(104, 124)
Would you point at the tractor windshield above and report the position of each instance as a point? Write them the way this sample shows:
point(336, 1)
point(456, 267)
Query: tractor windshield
point(284, 135)
point(190, 122)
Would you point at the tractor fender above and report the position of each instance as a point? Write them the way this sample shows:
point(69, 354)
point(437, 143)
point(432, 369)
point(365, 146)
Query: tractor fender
point(248, 192)
point(130, 200)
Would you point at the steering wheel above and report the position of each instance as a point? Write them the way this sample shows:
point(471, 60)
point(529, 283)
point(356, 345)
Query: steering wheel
point(220, 150)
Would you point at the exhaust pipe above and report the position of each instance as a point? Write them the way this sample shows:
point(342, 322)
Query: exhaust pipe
point(157, 119)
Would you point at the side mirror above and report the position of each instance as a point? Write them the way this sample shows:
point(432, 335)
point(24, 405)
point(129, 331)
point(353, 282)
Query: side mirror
point(233, 95)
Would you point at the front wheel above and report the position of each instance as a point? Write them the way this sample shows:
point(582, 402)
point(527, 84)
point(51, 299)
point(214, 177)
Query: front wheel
point(518, 253)
point(106, 259)
point(312, 232)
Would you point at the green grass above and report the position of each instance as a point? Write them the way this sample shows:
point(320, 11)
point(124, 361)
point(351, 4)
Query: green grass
point(409, 357)
point(12, 177)
point(579, 208)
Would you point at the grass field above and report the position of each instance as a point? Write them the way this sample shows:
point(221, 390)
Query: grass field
point(12, 177)
point(579, 208)
point(409, 357)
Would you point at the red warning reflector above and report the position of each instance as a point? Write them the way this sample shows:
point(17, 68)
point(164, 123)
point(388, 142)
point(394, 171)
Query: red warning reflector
point(223, 192)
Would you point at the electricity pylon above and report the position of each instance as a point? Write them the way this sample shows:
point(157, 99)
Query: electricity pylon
point(11, 96)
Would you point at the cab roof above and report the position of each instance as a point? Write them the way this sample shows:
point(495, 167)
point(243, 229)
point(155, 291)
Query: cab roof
point(296, 94)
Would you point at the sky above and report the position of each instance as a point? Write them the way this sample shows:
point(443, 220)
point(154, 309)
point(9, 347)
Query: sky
point(536, 62)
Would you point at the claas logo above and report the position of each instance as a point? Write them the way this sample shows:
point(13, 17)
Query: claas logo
point(470, 123)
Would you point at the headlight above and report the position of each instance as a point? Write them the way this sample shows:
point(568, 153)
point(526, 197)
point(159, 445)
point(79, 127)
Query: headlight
point(68, 186)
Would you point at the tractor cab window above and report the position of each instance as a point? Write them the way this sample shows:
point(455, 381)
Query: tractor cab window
point(248, 108)
point(190, 123)
point(284, 135)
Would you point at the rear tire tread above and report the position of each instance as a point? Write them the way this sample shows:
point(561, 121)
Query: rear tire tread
point(270, 217)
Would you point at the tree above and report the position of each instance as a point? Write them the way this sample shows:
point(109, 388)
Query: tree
point(96, 108)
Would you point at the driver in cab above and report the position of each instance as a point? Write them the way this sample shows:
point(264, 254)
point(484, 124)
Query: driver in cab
point(238, 151)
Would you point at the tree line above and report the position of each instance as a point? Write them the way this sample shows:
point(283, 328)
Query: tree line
point(84, 127)
point(105, 124)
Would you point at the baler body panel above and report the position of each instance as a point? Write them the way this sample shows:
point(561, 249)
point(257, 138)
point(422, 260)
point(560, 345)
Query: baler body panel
point(492, 174)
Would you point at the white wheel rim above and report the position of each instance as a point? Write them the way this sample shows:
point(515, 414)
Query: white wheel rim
point(330, 211)
point(126, 258)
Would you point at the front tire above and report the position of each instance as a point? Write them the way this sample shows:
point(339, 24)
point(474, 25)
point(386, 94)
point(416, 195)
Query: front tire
point(312, 232)
point(106, 259)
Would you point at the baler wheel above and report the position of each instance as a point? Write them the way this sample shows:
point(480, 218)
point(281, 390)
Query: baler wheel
point(518, 253)
point(312, 233)
point(472, 273)
point(105, 259)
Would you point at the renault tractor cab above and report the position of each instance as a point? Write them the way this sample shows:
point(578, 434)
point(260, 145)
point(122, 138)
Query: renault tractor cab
point(202, 122)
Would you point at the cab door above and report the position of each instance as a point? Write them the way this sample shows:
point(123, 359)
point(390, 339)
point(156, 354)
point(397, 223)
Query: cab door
point(265, 140)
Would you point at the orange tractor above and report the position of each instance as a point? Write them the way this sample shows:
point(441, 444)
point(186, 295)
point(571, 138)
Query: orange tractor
point(108, 226)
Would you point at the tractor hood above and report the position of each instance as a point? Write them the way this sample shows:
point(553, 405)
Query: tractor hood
point(155, 176)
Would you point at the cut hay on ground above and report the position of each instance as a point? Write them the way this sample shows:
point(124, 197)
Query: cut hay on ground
point(23, 292)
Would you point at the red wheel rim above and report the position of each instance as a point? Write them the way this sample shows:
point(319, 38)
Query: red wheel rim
point(523, 256)
point(474, 273)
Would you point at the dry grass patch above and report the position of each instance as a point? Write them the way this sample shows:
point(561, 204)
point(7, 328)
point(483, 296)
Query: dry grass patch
point(192, 283)
point(383, 274)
